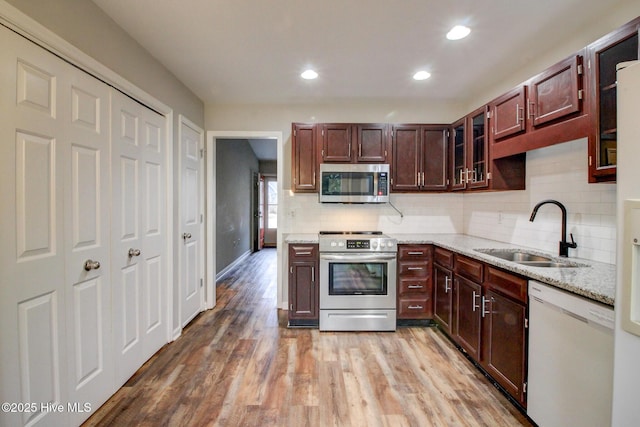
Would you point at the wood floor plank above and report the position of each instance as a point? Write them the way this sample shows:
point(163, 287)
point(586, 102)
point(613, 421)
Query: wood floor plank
point(239, 365)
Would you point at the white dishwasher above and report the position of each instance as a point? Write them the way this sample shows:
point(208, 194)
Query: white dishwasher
point(570, 359)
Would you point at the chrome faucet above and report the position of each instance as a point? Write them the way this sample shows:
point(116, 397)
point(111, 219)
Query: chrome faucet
point(564, 245)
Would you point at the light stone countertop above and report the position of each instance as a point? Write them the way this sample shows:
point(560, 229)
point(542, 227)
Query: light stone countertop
point(596, 281)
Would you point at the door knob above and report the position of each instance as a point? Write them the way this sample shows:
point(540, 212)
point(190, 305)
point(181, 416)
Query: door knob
point(186, 236)
point(91, 265)
point(134, 252)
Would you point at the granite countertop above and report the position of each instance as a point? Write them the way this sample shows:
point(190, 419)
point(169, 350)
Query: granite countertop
point(595, 280)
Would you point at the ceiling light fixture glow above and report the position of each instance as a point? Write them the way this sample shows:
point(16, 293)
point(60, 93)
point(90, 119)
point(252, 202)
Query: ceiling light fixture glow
point(421, 75)
point(458, 32)
point(309, 75)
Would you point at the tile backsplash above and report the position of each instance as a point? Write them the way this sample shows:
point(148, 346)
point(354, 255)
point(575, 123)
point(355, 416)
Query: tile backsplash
point(558, 172)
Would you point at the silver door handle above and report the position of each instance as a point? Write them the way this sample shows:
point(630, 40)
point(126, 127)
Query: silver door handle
point(134, 252)
point(447, 288)
point(186, 236)
point(474, 306)
point(91, 265)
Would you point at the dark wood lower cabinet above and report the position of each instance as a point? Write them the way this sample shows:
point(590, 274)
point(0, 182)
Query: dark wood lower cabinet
point(467, 308)
point(415, 293)
point(503, 343)
point(303, 285)
point(485, 314)
point(443, 297)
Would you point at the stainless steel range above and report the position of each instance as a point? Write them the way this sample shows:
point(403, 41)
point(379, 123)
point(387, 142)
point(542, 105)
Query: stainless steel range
point(357, 281)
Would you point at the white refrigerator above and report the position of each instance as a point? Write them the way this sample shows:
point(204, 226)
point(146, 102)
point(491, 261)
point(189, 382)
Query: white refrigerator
point(626, 371)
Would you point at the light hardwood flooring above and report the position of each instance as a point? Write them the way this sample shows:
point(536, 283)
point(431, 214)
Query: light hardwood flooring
point(239, 365)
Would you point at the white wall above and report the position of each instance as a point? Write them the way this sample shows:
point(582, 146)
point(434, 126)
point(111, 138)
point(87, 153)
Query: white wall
point(558, 172)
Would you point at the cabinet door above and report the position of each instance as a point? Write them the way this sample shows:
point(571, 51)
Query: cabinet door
point(304, 160)
point(503, 347)
point(508, 113)
point(467, 312)
point(373, 143)
point(478, 149)
point(458, 156)
point(303, 283)
point(434, 156)
point(604, 54)
point(406, 155)
point(336, 142)
point(443, 297)
point(556, 93)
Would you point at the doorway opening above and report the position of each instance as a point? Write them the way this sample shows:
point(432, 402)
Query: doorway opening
point(220, 176)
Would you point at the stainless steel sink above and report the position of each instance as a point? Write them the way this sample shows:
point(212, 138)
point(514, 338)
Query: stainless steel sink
point(529, 258)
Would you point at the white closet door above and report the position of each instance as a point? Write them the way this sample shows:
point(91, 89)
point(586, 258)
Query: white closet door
point(54, 186)
point(191, 244)
point(87, 239)
point(138, 234)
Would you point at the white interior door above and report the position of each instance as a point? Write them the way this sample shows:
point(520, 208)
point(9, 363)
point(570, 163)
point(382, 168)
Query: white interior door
point(87, 241)
point(191, 222)
point(138, 234)
point(54, 158)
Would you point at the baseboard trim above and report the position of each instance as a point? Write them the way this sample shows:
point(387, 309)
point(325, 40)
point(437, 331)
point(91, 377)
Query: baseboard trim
point(231, 266)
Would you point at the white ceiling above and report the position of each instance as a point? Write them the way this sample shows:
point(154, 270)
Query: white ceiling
point(252, 51)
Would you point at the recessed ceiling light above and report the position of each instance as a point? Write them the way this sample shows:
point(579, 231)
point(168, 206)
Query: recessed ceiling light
point(421, 75)
point(458, 32)
point(309, 75)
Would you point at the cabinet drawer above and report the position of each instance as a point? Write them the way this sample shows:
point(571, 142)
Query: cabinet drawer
point(507, 284)
point(413, 269)
point(443, 258)
point(412, 286)
point(469, 268)
point(303, 251)
point(409, 308)
point(408, 252)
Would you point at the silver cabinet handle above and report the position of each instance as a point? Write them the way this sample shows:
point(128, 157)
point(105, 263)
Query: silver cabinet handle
point(91, 265)
point(447, 288)
point(474, 300)
point(134, 252)
point(415, 286)
point(414, 268)
point(186, 236)
point(415, 253)
point(415, 307)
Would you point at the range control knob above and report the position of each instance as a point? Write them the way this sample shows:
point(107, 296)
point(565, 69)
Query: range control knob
point(333, 244)
point(374, 244)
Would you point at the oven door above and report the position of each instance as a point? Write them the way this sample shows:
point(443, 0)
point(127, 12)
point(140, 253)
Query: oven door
point(357, 281)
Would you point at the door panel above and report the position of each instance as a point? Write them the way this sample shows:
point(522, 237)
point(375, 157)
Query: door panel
point(138, 234)
point(191, 233)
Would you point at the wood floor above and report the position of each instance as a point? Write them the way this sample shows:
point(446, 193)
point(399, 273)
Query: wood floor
point(239, 365)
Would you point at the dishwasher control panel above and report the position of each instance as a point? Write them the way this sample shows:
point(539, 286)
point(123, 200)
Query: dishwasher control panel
point(573, 305)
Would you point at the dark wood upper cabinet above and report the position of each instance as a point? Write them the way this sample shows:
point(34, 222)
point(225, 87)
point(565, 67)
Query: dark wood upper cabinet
point(336, 142)
point(548, 109)
point(458, 155)
point(478, 151)
point(419, 159)
point(372, 143)
point(557, 92)
point(353, 143)
point(603, 56)
point(508, 113)
point(304, 159)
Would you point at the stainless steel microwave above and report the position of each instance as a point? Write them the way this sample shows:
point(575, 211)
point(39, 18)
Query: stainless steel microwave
point(354, 183)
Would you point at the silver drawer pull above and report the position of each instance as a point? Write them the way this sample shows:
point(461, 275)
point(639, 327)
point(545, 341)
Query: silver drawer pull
point(302, 253)
point(91, 265)
point(414, 268)
point(134, 252)
point(415, 307)
point(415, 253)
point(415, 286)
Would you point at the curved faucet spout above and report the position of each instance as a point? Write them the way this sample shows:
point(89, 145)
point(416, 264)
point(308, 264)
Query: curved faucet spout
point(564, 245)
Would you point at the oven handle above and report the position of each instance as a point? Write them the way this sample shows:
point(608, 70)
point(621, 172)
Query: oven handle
point(358, 257)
